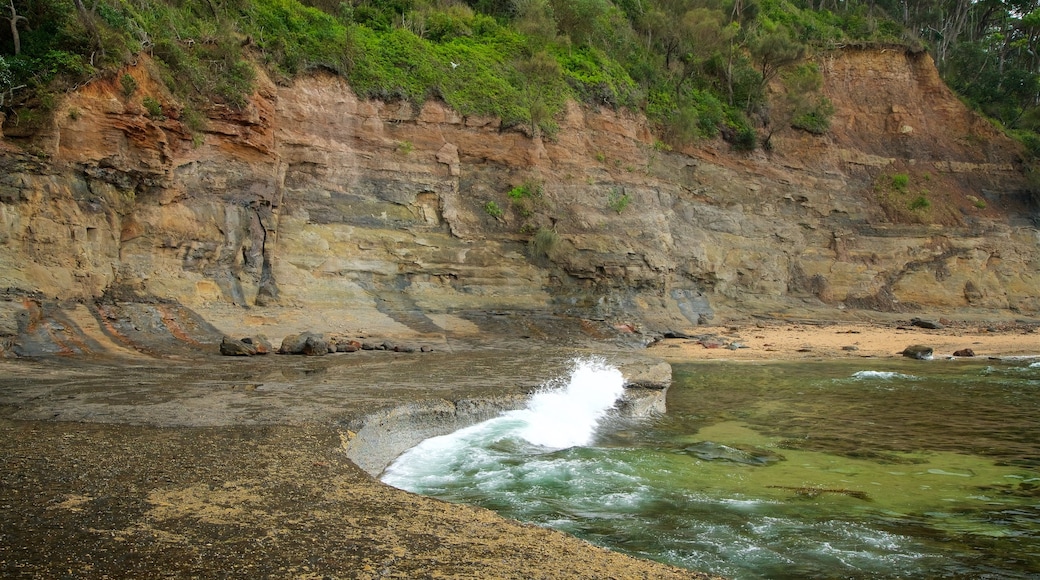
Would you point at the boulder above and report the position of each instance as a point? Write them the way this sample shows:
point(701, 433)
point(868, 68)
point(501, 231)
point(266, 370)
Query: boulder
point(918, 351)
point(260, 343)
point(292, 344)
point(306, 343)
point(964, 352)
point(234, 347)
point(315, 345)
point(930, 324)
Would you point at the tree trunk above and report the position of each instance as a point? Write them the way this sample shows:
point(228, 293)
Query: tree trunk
point(88, 22)
point(14, 28)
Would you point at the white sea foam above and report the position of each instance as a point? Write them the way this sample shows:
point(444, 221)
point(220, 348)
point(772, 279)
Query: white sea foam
point(567, 417)
point(881, 375)
point(557, 417)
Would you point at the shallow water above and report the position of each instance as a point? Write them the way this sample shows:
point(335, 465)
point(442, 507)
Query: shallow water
point(866, 469)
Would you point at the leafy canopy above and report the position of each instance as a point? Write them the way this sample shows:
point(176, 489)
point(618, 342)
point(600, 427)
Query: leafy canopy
point(698, 68)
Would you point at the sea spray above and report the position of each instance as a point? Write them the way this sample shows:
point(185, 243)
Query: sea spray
point(558, 418)
point(563, 414)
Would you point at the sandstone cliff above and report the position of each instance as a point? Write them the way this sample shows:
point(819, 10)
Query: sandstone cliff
point(312, 209)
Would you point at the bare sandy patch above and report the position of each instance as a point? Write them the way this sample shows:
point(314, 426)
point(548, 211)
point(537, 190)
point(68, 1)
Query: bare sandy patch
point(794, 341)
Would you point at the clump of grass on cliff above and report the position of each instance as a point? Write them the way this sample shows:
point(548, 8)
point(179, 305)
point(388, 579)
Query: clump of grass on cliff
point(917, 198)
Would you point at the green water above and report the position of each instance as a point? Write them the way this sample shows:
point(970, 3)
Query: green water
point(796, 470)
point(940, 460)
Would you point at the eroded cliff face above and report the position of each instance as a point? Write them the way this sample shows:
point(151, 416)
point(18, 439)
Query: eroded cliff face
point(313, 209)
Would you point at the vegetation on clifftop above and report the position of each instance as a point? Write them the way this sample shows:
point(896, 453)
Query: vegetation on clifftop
point(697, 68)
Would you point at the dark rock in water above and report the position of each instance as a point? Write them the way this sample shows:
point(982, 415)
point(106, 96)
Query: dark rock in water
point(917, 351)
point(234, 347)
point(964, 352)
point(711, 451)
point(931, 324)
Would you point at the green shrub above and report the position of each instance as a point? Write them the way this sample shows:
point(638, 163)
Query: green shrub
point(527, 189)
point(597, 79)
point(919, 203)
point(5, 75)
point(493, 209)
point(900, 181)
point(1031, 141)
point(129, 85)
point(193, 119)
point(295, 38)
point(816, 121)
point(741, 135)
point(688, 117)
point(618, 200)
point(154, 109)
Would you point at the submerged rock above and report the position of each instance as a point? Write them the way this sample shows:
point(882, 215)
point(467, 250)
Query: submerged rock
point(918, 351)
point(711, 451)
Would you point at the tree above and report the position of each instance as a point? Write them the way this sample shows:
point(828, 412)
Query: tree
point(774, 51)
point(14, 19)
point(88, 22)
point(539, 72)
point(705, 34)
point(799, 104)
point(535, 21)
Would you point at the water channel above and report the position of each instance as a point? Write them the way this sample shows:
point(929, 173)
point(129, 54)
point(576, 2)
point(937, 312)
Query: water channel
point(864, 469)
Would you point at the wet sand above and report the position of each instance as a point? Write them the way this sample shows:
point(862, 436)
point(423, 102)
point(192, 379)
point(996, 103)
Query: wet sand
point(821, 340)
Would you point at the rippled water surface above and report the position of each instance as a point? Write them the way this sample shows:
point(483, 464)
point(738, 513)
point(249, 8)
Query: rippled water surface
point(867, 469)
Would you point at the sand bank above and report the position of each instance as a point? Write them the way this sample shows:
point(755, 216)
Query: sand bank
point(796, 341)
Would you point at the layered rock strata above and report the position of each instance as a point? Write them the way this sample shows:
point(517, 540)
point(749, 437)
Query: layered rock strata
point(312, 209)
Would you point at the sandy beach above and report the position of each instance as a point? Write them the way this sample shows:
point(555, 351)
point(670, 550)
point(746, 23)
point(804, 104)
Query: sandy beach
point(812, 340)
